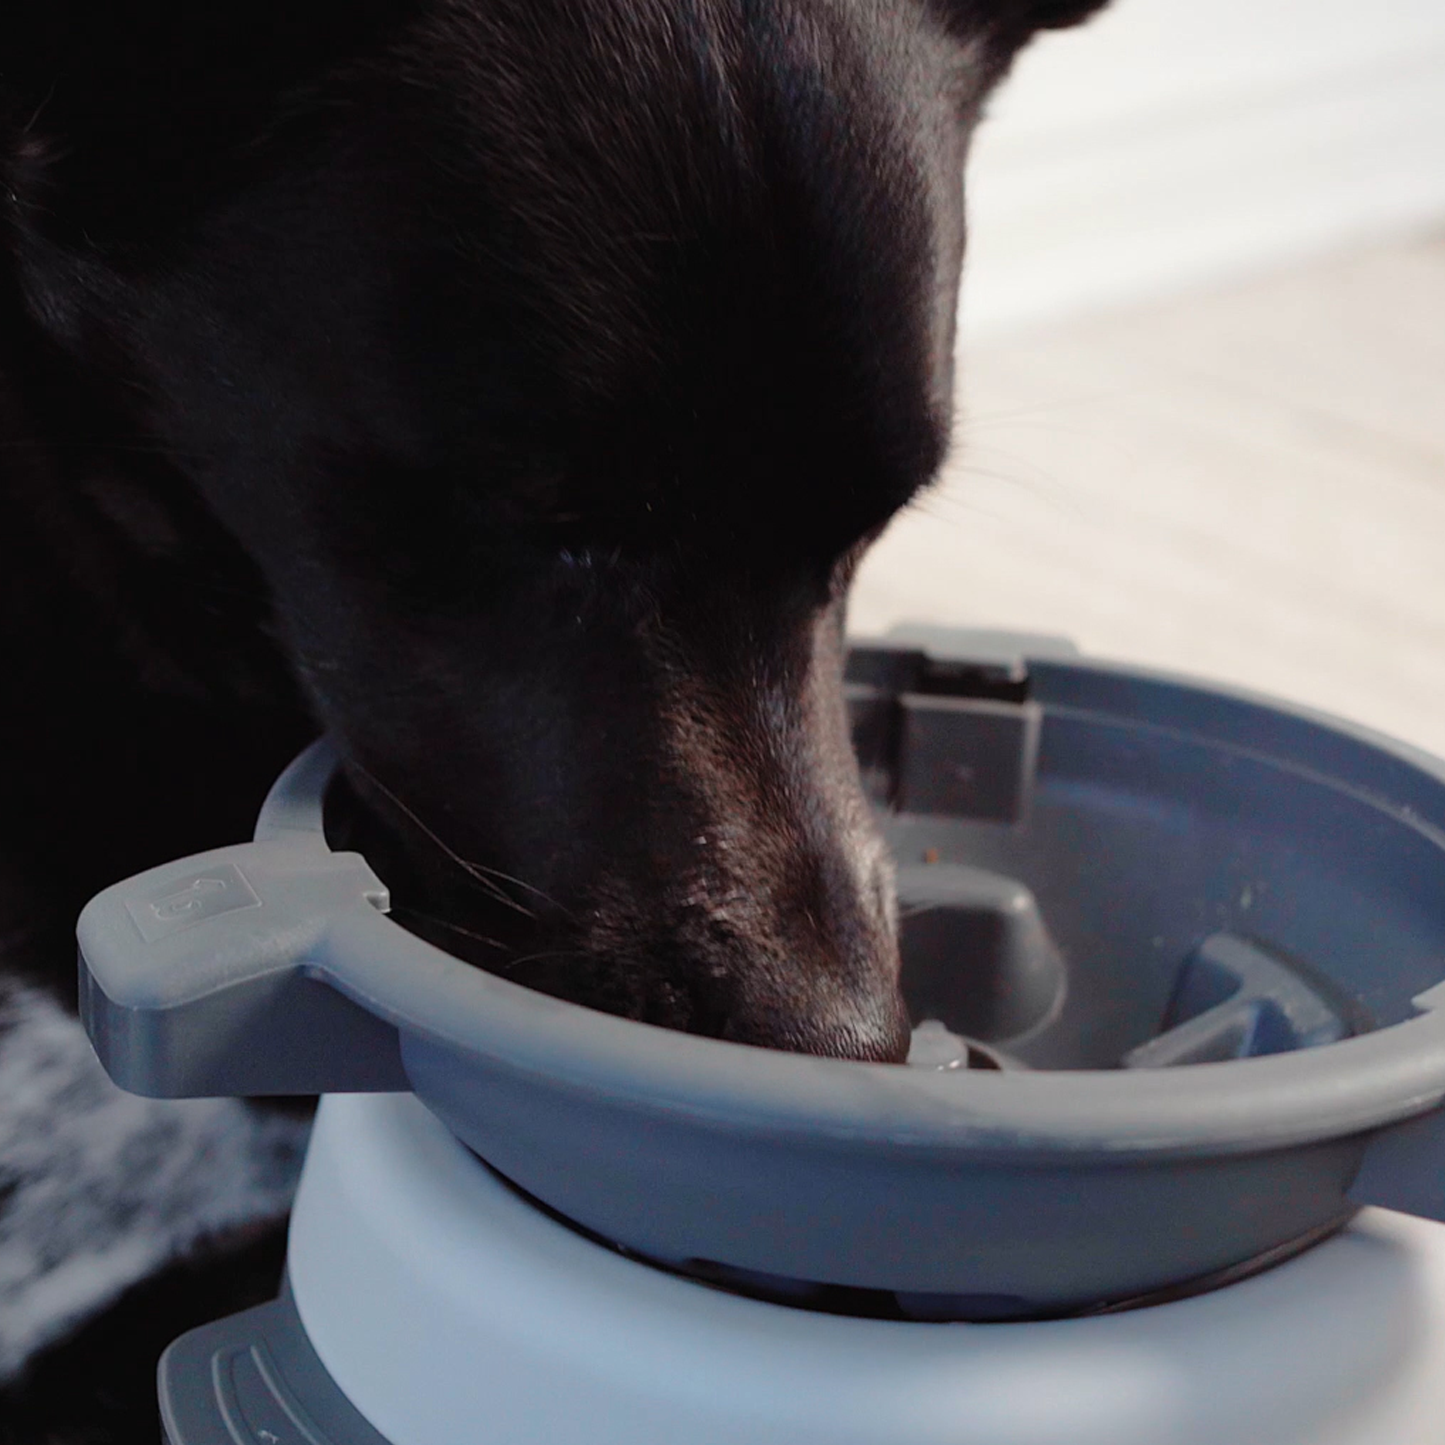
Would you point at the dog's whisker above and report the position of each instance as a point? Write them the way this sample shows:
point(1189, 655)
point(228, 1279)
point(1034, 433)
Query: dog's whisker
point(574, 953)
point(450, 927)
point(492, 889)
point(516, 882)
point(482, 872)
point(39, 110)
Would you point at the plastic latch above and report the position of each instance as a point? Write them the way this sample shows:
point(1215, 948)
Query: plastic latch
point(200, 978)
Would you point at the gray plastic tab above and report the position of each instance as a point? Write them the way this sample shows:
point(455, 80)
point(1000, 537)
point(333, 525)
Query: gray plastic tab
point(254, 1379)
point(967, 757)
point(1404, 1168)
point(196, 978)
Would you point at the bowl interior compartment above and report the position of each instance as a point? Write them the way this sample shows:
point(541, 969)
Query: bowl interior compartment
point(1119, 893)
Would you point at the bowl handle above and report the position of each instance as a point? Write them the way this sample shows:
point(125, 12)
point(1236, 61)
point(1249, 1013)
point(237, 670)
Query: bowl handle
point(198, 978)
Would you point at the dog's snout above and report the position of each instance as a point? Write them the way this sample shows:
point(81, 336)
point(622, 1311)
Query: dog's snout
point(807, 963)
point(870, 1026)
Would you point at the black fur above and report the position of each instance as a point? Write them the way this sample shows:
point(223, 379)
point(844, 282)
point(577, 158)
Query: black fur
point(510, 387)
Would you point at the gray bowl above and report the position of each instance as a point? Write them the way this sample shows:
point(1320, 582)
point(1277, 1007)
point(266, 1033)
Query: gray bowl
point(1195, 940)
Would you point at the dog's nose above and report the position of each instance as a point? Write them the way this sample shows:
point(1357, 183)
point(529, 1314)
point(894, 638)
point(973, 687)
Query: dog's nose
point(812, 966)
point(828, 1018)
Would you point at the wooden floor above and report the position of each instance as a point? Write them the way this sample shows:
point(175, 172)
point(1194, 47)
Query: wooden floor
point(1247, 485)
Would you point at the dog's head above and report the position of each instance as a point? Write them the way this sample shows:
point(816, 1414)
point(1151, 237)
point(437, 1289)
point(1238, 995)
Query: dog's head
point(554, 363)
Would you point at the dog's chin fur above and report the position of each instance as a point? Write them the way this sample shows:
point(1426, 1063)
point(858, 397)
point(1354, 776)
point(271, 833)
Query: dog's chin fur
point(509, 387)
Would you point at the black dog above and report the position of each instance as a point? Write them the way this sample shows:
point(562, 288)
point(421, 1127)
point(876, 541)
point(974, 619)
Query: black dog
point(510, 387)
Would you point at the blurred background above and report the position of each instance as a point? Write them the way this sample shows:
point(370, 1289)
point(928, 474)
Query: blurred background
point(1202, 357)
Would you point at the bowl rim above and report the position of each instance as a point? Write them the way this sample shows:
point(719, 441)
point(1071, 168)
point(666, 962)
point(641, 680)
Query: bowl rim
point(1246, 1105)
